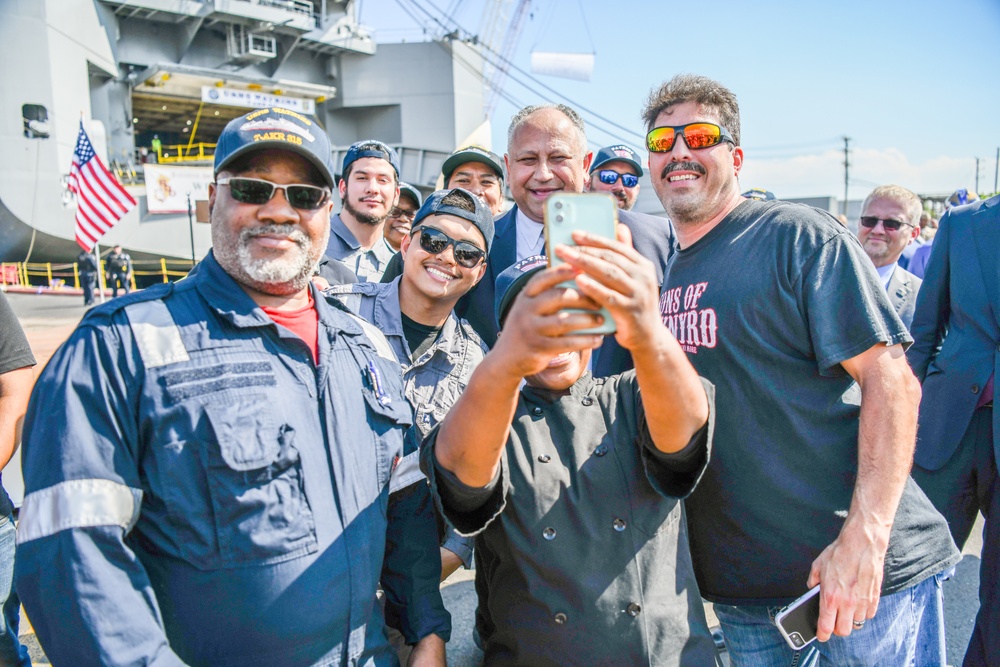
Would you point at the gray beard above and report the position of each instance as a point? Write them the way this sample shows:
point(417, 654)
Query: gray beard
point(276, 276)
point(363, 218)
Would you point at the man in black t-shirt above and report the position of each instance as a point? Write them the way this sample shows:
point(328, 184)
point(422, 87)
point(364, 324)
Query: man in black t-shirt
point(16, 378)
point(778, 306)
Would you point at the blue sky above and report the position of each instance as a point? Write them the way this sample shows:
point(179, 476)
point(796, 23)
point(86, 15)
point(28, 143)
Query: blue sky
point(913, 84)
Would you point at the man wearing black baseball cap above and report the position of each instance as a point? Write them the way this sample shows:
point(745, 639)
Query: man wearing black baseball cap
point(445, 255)
point(369, 189)
point(477, 170)
point(616, 170)
point(571, 487)
point(196, 492)
point(474, 169)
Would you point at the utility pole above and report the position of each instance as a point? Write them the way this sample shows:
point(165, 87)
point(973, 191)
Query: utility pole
point(977, 177)
point(847, 167)
point(996, 174)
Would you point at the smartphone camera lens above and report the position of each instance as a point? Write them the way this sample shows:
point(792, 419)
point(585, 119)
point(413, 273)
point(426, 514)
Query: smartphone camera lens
point(558, 204)
point(559, 218)
point(797, 640)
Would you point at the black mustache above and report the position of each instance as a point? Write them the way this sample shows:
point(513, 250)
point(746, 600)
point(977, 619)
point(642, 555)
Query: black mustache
point(682, 166)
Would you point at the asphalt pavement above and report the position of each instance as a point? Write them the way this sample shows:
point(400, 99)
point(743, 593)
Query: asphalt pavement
point(49, 318)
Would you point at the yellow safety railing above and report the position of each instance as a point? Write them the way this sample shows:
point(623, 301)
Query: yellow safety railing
point(199, 152)
point(55, 276)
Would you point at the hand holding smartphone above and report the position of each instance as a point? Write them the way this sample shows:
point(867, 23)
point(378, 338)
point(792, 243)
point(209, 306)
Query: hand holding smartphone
point(797, 622)
point(594, 213)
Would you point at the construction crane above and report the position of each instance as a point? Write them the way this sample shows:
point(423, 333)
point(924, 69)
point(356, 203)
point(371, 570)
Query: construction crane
point(497, 21)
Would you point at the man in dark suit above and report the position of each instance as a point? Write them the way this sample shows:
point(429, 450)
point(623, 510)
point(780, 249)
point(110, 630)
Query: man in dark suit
point(889, 223)
point(956, 355)
point(547, 153)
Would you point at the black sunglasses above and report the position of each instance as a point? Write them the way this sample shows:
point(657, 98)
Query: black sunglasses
point(258, 191)
point(397, 212)
point(610, 177)
point(889, 224)
point(696, 136)
point(434, 241)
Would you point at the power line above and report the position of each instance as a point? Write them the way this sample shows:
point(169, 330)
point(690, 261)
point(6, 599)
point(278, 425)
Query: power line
point(576, 105)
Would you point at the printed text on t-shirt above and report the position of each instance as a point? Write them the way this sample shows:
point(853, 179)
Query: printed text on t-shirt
point(693, 328)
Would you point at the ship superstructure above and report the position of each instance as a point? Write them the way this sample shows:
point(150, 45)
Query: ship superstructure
point(155, 81)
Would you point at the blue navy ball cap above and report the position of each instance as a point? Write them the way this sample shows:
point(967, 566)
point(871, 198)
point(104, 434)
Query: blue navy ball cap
point(275, 128)
point(407, 189)
point(512, 280)
point(619, 152)
point(482, 218)
point(370, 148)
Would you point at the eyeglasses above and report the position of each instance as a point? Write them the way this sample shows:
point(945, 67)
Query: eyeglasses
point(610, 177)
point(258, 191)
point(889, 224)
point(434, 241)
point(397, 212)
point(696, 136)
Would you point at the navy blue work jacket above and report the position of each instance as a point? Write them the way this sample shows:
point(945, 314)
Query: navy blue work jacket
point(200, 492)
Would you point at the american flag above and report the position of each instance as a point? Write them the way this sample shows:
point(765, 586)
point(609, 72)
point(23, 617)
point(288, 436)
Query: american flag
point(101, 199)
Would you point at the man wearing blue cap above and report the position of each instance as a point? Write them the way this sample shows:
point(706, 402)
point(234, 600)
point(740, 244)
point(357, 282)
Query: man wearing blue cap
point(210, 465)
point(472, 168)
point(445, 255)
point(369, 189)
point(616, 170)
point(570, 486)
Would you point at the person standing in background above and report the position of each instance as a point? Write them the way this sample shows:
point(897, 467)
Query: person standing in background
point(88, 268)
point(119, 270)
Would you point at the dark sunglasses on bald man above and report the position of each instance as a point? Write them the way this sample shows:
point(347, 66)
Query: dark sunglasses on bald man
point(434, 241)
point(696, 136)
point(258, 191)
point(888, 224)
point(610, 177)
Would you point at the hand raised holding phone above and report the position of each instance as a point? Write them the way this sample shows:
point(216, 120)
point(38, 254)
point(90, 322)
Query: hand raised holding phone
point(610, 271)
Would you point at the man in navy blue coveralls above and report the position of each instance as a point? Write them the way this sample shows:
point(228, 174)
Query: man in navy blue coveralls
point(210, 464)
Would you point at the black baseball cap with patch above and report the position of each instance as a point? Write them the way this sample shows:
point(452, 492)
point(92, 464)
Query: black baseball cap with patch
point(482, 218)
point(275, 128)
point(471, 154)
point(512, 280)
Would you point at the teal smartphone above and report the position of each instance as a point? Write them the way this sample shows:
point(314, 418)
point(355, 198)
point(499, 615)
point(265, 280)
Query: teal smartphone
point(592, 212)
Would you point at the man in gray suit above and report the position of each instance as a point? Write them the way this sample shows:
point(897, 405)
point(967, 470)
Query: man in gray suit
point(890, 221)
point(956, 355)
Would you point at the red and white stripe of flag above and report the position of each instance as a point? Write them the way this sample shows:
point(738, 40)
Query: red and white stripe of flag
point(101, 200)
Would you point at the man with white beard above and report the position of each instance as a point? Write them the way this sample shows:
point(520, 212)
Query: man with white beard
point(210, 465)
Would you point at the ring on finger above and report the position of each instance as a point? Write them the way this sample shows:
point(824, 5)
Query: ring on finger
point(858, 624)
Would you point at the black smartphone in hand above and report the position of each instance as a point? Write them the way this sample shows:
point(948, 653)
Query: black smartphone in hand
point(797, 622)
